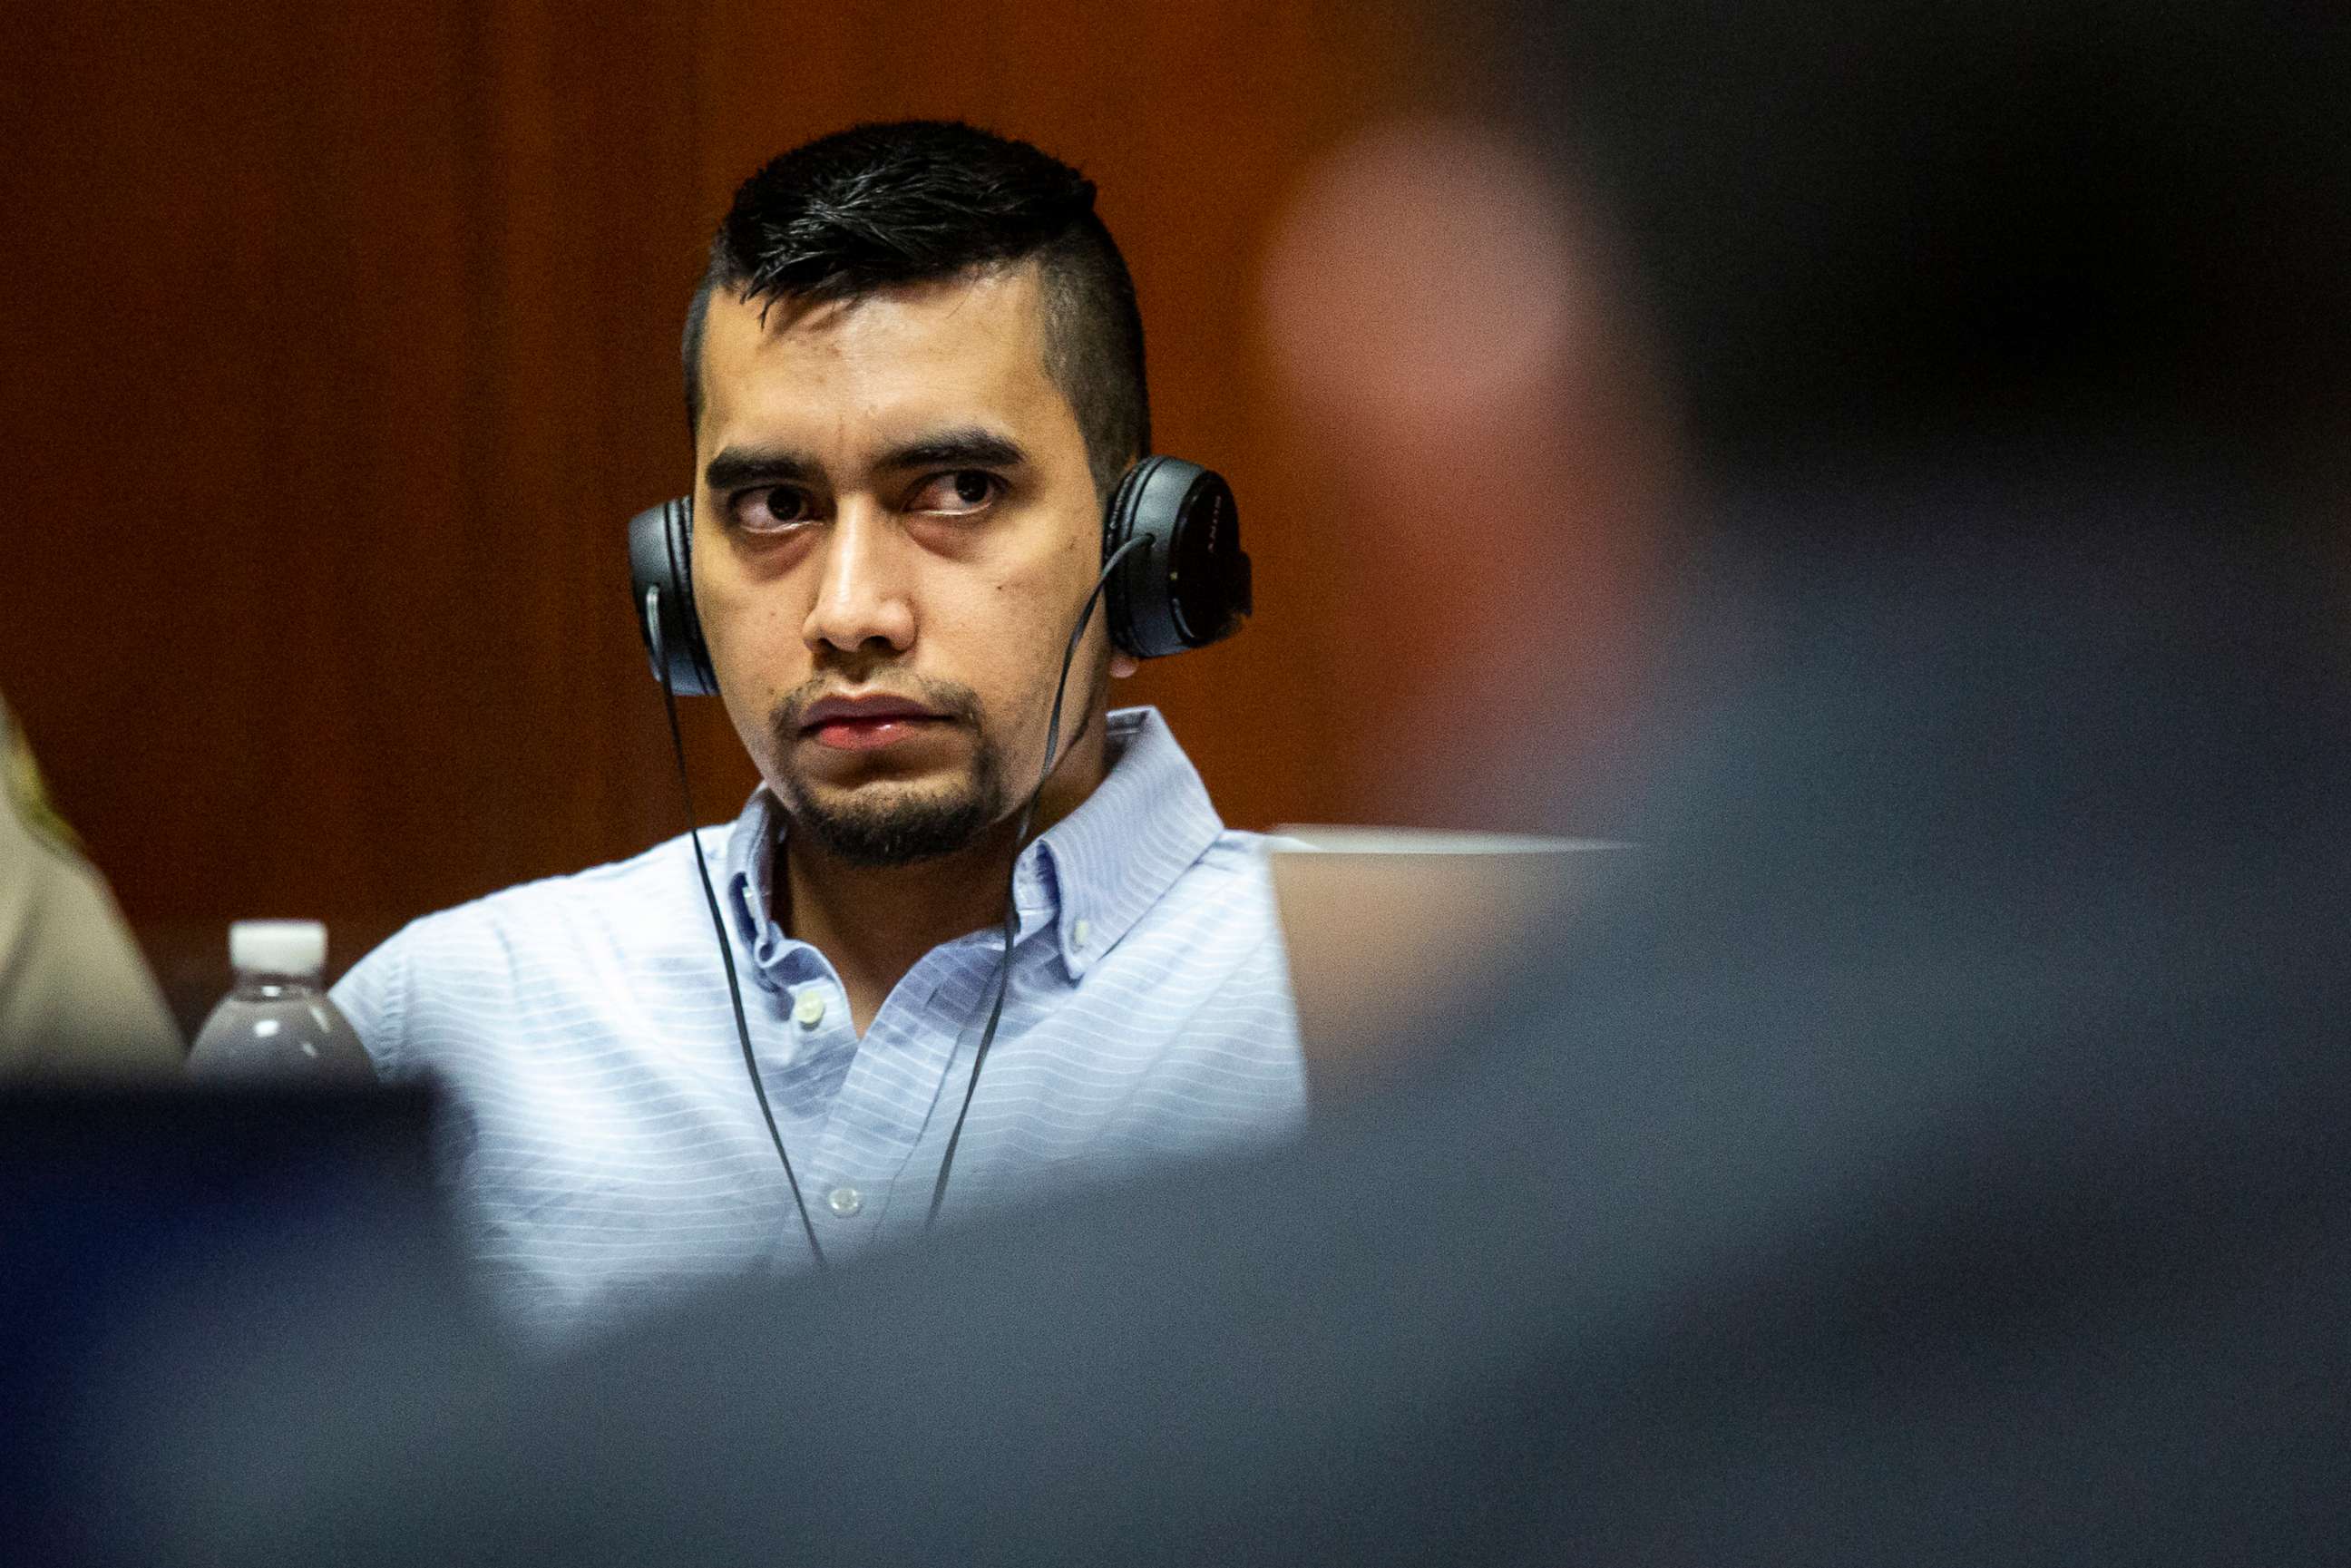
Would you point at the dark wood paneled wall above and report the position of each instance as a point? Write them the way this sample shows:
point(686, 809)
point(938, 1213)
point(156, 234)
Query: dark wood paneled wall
point(340, 341)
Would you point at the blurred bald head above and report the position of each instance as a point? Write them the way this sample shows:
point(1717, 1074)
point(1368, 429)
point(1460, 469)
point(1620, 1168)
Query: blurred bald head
point(1887, 225)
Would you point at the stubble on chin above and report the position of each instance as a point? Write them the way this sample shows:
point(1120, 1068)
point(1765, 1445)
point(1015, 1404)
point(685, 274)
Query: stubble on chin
point(888, 822)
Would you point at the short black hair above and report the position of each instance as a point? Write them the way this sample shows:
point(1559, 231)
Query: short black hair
point(915, 201)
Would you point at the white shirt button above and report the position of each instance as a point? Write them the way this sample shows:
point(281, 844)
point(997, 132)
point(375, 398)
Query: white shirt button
point(809, 1011)
point(844, 1201)
point(1078, 933)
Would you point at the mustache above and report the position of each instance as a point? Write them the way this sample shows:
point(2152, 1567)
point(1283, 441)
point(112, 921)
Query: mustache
point(948, 699)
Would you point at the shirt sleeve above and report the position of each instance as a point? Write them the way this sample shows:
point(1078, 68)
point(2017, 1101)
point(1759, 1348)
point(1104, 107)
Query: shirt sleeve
point(373, 997)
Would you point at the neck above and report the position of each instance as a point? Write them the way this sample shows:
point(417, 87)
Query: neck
point(875, 923)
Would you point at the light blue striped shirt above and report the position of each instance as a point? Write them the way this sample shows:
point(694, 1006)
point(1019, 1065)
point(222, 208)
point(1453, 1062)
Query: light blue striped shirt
point(602, 1137)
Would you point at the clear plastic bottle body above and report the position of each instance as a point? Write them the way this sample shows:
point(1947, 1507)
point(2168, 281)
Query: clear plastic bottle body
point(278, 1025)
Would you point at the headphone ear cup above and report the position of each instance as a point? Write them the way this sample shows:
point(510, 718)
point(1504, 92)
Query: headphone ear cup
point(1189, 585)
point(660, 558)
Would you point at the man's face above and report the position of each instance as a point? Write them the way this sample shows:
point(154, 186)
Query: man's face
point(894, 529)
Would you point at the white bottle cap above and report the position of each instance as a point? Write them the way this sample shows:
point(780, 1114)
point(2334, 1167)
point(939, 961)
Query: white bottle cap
point(277, 947)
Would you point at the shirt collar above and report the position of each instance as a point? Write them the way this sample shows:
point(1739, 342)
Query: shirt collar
point(1091, 875)
point(750, 877)
point(1102, 866)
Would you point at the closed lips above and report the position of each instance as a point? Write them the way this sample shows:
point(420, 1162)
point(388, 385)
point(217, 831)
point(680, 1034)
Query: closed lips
point(862, 710)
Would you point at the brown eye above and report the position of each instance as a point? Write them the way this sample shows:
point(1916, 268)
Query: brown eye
point(963, 491)
point(769, 510)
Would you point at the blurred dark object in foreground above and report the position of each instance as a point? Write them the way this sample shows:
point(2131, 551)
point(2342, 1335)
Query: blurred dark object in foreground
point(159, 1240)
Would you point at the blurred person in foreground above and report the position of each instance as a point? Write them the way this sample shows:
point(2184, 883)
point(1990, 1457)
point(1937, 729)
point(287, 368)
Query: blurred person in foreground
point(914, 376)
point(76, 999)
point(1943, 1155)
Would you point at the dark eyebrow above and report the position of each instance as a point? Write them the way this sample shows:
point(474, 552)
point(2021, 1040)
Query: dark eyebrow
point(745, 467)
point(969, 447)
point(739, 467)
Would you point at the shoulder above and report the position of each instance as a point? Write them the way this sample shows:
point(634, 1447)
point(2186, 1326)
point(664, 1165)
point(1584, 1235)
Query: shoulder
point(1234, 844)
point(1231, 868)
point(619, 894)
point(1236, 866)
point(31, 824)
point(1216, 927)
point(528, 944)
point(1201, 989)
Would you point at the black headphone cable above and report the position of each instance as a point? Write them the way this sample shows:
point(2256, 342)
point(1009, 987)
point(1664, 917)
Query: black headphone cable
point(718, 925)
point(1013, 876)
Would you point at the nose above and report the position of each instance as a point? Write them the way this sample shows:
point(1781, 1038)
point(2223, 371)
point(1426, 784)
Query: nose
point(863, 600)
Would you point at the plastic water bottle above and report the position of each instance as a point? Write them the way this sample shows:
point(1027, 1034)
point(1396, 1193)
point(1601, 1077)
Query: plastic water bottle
point(277, 1022)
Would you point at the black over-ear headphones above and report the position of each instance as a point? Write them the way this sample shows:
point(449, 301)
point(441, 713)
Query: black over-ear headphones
point(1186, 587)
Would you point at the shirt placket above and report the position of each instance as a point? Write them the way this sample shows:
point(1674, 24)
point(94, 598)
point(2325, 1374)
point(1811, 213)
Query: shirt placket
point(896, 1082)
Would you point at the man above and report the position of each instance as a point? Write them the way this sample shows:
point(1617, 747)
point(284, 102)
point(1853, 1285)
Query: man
point(76, 999)
point(914, 373)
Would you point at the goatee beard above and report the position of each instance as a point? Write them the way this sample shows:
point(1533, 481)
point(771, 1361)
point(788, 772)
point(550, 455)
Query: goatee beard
point(902, 831)
point(913, 827)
